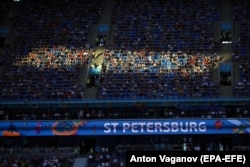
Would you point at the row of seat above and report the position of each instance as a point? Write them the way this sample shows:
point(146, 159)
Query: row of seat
point(149, 74)
point(163, 24)
point(49, 49)
point(241, 48)
point(168, 45)
point(143, 112)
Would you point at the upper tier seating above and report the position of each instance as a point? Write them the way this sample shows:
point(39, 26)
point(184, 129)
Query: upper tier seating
point(48, 51)
point(241, 48)
point(163, 49)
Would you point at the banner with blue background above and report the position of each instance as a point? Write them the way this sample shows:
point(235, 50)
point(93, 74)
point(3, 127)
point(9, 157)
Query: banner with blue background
point(124, 127)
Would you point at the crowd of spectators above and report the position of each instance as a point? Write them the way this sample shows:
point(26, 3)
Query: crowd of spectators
point(43, 161)
point(49, 48)
point(46, 73)
point(17, 153)
point(143, 112)
point(167, 51)
point(168, 25)
point(102, 156)
point(149, 74)
point(98, 156)
point(162, 49)
point(241, 49)
point(34, 157)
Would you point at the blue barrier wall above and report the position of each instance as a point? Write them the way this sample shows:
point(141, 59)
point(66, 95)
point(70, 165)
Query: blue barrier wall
point(124, 127)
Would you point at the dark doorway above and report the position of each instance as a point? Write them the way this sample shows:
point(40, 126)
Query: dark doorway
point(225, 79)
point(225, 74)
point(89, 143)
point(226, 32)
point(92, 81)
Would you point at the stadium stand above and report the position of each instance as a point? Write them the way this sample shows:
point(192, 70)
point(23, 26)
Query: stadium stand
point(161, 47)
point(144, 112)
point(159, 68)
point(241, 48)
point(100, 157)
point(39, 157)
point(165, 25)
point(49, 50)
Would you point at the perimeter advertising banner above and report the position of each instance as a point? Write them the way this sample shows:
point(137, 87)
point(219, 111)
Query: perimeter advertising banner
point(124, 127)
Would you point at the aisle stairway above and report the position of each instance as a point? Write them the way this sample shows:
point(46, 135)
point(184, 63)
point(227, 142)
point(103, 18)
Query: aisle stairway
point(226, 49)
point(80, 162)
point(108, 6)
